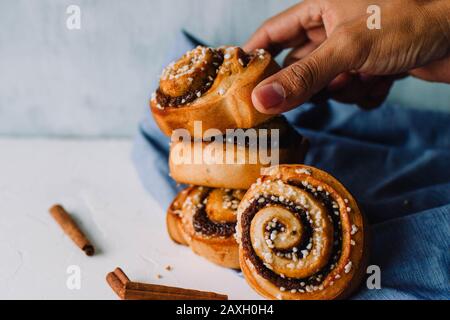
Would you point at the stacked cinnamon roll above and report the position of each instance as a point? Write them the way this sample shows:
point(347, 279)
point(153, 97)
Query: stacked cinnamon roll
point(301, 235)
point(213, 86)
point(291, 230)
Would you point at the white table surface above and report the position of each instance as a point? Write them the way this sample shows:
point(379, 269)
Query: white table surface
point(95, 180)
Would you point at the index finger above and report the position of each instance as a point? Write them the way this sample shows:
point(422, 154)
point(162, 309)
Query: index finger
point(287, 29)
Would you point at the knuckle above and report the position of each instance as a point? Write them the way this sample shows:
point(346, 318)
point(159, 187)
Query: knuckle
point(268, 25)
point(267, 29)
point(348, 36)
point(265, 25)
point(302, 76)
point(352, 44)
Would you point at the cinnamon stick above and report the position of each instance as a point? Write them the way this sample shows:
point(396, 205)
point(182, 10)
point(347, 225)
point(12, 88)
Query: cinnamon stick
point(130, 290)
point(70, 228)
point(115, 282)
point(121, 275)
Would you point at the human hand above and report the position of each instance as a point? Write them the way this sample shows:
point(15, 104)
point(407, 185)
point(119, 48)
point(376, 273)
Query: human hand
point(334, 52)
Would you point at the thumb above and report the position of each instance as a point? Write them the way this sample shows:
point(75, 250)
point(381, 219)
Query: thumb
point(296, 83)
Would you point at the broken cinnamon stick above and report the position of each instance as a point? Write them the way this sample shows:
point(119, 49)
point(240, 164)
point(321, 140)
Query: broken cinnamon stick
point(117, 282)
point(71, 229)
point(130, 290)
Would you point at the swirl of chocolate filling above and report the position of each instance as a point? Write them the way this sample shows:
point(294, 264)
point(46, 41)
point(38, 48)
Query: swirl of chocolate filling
point(297, 284)
point(194, 74)
point(215, 213)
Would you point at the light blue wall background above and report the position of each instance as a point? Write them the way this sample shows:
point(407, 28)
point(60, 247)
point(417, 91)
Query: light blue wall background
point(96, 81)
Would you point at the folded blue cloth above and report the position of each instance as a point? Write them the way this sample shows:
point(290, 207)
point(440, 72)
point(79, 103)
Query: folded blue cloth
point(395, 161)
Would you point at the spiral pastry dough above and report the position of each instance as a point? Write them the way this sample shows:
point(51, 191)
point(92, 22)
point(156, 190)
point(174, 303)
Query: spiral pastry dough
point(205, 219)
point(301, 235)
point(213, 85)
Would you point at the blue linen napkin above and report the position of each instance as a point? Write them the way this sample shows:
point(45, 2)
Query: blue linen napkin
point(395, 161)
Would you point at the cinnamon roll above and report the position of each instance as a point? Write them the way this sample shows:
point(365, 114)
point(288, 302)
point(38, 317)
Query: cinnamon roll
point(301, 235)
point(205, 219)
point(173, 218)
point(236, 161)
point(213, 85)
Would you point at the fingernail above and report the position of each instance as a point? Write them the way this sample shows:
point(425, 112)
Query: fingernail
point(270, 95)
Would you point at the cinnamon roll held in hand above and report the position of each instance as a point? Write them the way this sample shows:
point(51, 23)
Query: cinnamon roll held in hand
point(301, 235)
point(211, 85)
point(205, 219)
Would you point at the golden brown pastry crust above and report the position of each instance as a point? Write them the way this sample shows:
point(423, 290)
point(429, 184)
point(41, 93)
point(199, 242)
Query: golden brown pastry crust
point(301, 207)
point(219, 174)
point(205, 220)
point(173, 218)
point(226, 103)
